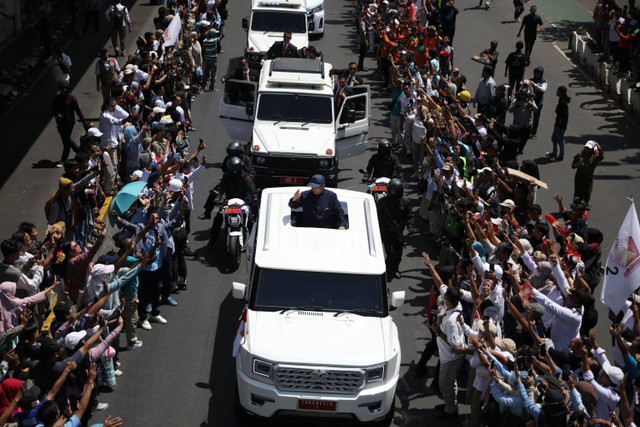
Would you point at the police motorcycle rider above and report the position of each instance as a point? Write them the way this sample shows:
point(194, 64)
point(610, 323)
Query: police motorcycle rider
point(394, 214)
point(383, 163)
point(234, 149)
point(235, 183)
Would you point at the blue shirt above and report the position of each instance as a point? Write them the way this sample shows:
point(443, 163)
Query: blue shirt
point(73, 422)
point(322, 211)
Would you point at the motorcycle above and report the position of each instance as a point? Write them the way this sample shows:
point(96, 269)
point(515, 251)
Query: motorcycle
point(377, 187)
point(235, 221)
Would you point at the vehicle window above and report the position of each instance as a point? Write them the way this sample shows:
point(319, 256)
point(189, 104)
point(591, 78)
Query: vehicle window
point(283, 289)
point(295, 108)
point(238, 92)
point(279, 21)
point(356, 103)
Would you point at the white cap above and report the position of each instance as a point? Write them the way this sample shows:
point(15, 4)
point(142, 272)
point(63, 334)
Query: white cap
point(95, 132)
point(73, 338)
point(137, 175)
point(509, 204)
point(175, 185)
point(614, 373)
point(159, 110)
point(590, 144)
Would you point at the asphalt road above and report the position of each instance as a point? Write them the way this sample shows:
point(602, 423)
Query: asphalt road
point(184, 373)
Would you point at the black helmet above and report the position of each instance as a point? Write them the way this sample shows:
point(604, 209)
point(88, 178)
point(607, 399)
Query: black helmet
point(234, 166)
point(235, 149)
point(395, 188)
point(384, 147)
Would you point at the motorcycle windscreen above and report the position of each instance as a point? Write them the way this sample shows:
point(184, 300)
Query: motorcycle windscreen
point(352, 123)
point(237, 105)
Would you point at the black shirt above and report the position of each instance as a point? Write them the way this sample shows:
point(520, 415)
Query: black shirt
point(531, 23)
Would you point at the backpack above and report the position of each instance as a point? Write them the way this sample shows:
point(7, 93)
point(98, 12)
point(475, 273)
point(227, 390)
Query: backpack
point(117, 17)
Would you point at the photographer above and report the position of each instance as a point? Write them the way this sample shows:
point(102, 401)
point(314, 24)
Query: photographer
point(522, 108)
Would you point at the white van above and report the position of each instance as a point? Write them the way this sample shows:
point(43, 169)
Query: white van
point(294, 125)
point(267, 23)
point(319, 340)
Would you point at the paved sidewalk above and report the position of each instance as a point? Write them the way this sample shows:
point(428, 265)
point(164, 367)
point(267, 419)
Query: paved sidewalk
point(31, 144)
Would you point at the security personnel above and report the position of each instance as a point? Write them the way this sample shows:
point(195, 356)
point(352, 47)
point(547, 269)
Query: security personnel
point(234, 184)
point(320, 208)
point(394, 214)
point(383, 163)
point(234, 149)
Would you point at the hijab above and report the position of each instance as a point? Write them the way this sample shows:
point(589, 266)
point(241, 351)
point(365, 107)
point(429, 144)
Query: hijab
point(11, 306)
point(541, 274)
point(8, 390)
point(129, 133)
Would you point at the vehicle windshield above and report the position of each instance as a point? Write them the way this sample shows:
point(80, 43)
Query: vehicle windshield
point(295, 108)
point(275, 290)
point(272, 21)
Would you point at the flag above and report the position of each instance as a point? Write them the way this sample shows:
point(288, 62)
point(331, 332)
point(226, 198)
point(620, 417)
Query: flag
point(622, 272)
point(240, 332)
point(172, 32)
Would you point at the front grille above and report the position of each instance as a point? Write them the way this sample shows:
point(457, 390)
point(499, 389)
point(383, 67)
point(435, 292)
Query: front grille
point(292, 163)
point(320, 380)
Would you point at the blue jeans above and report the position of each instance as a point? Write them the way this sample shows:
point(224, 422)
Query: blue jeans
point(210, 69)
point(557, 138)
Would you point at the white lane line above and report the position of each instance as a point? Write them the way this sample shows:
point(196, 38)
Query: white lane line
point(556, 47)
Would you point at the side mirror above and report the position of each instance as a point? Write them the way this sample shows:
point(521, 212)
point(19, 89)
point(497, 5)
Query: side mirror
point(245, 23)
point(351, 116)
point(249, 109)
point(397, 299)
point(238, 290)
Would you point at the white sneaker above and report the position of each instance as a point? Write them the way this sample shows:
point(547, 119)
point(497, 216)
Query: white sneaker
point(158, 319)
point(118, 364)
point(145, 325)
point(134, 345)
point(101, 406)
point(117, 373)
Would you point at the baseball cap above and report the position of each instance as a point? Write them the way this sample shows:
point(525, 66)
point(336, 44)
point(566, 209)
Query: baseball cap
point(137, 174)
point(159, 110)
point(128, 71)
point(447, 167)
point(73, 338)
point(316, 181)
point(455, 70)
point(614, 373)
point(590, 144)
point(509, 204)
point(95, 132)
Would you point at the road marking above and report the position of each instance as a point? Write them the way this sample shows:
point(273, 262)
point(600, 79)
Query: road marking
point(555, 45)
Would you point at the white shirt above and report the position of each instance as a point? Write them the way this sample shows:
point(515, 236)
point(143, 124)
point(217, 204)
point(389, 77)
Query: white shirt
point(60, 76)
point(452, 330)
point(191, 176)
point(608, 397)
point(111, 126)
point(566, 326)
point(125, 19)
point(418, 130)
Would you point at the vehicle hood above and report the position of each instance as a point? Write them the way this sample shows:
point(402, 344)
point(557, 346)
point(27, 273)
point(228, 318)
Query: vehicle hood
point(291, 138)
point(317, 338)
point(261, 41)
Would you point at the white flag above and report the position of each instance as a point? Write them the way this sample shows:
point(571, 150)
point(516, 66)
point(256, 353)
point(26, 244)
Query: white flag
point(622, 272)
point(172, 32)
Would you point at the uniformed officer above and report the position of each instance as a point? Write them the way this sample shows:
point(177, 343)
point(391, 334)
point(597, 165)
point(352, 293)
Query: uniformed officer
point(394, 214)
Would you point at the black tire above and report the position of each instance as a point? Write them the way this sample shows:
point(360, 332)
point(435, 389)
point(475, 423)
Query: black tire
point(388, 419)
point(234, 252)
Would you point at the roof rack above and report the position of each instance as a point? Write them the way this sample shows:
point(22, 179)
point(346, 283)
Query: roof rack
point(297, 65)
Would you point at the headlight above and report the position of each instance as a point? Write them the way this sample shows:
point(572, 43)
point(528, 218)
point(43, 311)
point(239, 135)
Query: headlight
point(323, 163)
point(260, 160)
point(375, 374)
point(262, 368)
point(234, 221)
point(318, 8)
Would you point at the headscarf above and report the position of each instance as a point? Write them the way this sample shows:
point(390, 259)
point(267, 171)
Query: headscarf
point(129, 133)
point(8, 390)
point(63, 183)
point(541, 274)
point(11, 306)
point(482, 253)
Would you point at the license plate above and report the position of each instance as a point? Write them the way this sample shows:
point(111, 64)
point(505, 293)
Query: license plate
point(317, 405)
point(233, 211)
point(379, 188)
point(292, 180)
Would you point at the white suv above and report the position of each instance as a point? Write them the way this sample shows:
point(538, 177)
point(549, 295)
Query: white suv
point(319, 340)
point(294, 126)
point(269, 20)
point(315, 12)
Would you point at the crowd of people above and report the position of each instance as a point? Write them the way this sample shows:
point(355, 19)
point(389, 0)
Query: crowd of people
point(512, 303)
point(64, 298)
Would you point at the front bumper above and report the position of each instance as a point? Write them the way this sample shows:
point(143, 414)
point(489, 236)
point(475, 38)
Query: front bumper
point(318, 22)
point(265, 400)
point(277, 169)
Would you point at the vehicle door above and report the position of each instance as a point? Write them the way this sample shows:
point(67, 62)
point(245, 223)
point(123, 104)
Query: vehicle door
point(352, 122)
point(237, 108)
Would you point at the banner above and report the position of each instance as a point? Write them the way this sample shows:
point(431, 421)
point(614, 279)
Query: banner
point(622, 272)
point(172, 34)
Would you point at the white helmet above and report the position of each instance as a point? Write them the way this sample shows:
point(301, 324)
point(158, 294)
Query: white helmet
point(175, 185)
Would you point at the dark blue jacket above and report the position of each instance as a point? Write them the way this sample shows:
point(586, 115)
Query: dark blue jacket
point(323, 211)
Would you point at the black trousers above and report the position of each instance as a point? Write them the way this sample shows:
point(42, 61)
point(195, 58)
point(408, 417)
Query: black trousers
point(525, 133)
point(362, 53)
point(393, 249)
point(536, 120)
point(67, 143)
point(149, 292)
point(528, 45)
point(179, 264)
